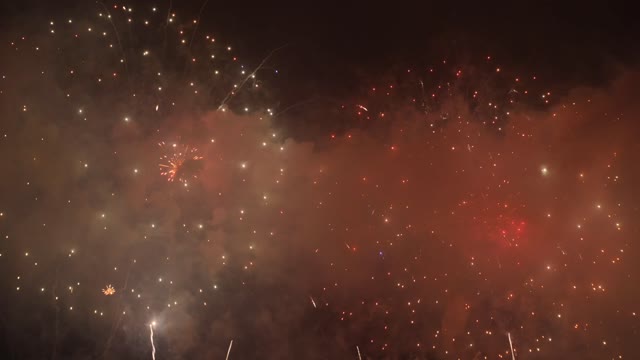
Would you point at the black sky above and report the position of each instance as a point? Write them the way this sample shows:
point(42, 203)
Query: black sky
point(331, 47)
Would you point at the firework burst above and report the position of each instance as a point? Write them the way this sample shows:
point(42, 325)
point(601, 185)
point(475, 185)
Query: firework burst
point(181, 163)
point(109, 290)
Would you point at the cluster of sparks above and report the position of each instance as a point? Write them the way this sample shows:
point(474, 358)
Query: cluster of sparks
point(172, 166)
point(463, 234)
point(109, 290)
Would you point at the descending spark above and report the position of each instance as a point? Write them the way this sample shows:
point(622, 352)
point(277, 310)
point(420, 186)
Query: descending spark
point(313, 302)
point(513, 355)
point(359, 357)
point(229, 350)
point(153, 347)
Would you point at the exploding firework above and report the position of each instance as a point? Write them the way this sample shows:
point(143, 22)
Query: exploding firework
point(109, 290)
point(181, 164)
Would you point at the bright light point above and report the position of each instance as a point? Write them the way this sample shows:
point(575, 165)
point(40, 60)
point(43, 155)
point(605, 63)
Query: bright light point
point(244, 165)
point(135, 171)
point(544, 170)
point(153, 323)
point(126, 119)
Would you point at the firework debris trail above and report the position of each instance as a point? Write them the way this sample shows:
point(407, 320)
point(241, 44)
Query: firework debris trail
point(229, 350)
point(513, 355)
point(153, 346)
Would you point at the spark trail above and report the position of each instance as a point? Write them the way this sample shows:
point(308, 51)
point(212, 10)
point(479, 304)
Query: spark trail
point(229, 350)
point(513, 355)
point(153, 347)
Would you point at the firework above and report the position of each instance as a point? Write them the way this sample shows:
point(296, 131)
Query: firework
point(435, 227)
point(181, 164)
point(109, 290)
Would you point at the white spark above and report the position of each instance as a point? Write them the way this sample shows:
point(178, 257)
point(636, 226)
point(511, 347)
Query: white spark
point(229, 351)
point(153, 347)
point(513, 355)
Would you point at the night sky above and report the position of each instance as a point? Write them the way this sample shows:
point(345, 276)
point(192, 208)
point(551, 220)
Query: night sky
point(206, 180)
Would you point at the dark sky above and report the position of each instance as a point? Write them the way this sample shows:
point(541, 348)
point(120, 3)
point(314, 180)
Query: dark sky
point(390, 204)
point(330, 48)
point(333, 47)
